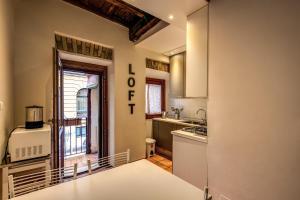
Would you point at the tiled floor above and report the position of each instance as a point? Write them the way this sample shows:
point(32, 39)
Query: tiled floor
point(162, 162)
point(80, 159)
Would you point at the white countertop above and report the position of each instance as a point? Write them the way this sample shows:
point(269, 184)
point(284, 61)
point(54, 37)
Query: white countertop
point(175, 121)
point(134, 181)
point(189, 135)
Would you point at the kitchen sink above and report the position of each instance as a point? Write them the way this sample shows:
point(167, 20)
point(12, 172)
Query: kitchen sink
point(199, 130)
point(200, 122)
point(192, 122)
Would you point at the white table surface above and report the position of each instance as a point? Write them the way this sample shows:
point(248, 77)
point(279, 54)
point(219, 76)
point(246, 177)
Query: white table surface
point(140, 180)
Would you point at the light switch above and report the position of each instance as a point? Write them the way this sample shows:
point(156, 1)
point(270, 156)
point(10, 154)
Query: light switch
point(1, 105)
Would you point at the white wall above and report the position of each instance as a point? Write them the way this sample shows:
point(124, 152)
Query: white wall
point(36, 22)
point(6, 70)
point(254, 112)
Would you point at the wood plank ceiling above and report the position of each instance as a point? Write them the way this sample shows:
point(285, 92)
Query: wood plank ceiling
point(137, 21)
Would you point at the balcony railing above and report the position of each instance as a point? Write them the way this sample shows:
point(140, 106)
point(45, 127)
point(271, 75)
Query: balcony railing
point(75, 136)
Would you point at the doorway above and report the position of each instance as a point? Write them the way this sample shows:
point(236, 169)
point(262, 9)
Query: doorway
point(81, 104)
point(81, 117)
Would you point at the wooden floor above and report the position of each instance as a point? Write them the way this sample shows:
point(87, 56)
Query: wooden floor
point(81, 160)
point(162, 162)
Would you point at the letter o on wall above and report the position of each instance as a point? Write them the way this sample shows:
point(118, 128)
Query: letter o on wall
point(131, 82)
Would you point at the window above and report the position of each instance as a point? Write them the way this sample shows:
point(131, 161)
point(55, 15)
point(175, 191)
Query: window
point(82, 104)
point(155, 97)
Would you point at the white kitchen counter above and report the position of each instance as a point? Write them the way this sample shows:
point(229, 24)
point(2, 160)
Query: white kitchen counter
point(175, 121)
point(189, 135)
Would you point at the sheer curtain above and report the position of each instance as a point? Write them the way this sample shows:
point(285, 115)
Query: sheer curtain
point(153, 99)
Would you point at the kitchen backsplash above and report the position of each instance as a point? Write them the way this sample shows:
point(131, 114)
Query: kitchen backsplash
point(190, 106)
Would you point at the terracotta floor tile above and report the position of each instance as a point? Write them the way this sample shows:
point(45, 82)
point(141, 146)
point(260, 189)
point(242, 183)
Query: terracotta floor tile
point(166, 162)
point(162, 162)
point(151, 159)
point(160, 165)
point(158, 157)
point(170, 169)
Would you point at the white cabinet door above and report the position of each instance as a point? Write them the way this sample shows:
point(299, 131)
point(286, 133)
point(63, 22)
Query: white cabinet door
point(189, 161)
point(177, 75)
point(197, 54)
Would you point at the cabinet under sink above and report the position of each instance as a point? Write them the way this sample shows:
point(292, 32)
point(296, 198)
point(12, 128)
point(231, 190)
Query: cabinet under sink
point(189, 160)
point(161, 131)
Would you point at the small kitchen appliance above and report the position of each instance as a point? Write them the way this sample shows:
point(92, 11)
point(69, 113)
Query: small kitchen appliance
point(34, 117)
point(29, 143)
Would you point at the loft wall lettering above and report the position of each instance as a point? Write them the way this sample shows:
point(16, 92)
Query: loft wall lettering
point(131, 91)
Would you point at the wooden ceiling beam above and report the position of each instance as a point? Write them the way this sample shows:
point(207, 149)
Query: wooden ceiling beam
point(137, 21)
point(142, 27)
point(96, 11)
point(123, 5)
point(110, 10)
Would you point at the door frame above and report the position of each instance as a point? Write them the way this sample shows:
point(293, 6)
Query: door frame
point(70, 65)
point(89, 118)
point(57, 112)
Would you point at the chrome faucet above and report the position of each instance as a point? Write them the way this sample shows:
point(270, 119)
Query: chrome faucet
point(203, 120)
point(177, 112)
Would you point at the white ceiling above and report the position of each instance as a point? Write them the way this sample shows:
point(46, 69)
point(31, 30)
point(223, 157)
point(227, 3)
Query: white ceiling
point(162, 41)
point(173, 36)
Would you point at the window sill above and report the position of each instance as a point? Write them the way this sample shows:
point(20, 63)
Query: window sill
point(151, 116)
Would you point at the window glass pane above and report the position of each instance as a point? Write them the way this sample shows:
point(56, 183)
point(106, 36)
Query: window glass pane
point(82, 104)
point(153, 99)
point(147, 101)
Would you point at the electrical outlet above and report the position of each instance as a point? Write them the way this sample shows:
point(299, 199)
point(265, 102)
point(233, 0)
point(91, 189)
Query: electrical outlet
point(222, 197)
